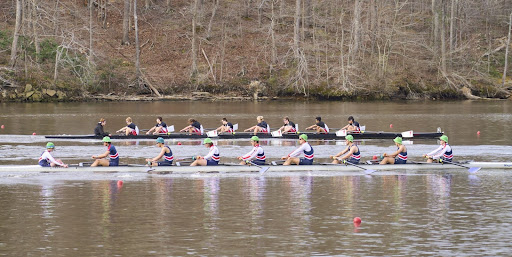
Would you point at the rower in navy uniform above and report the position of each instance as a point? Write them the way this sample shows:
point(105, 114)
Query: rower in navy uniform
point(194, 127)
point(159, 128)
point(211, 159)
point(256, 155)
point(319, 126)
point(111, 153)
point(288, 127)
point(352, 125)
point(226, 127)
point(304, 148)
point(47, 160)
point(98, 130)
point(399, 156)
point(130, 129)
point(443, 152)
point(261, 127)
point(166, 153)
point(351, 152)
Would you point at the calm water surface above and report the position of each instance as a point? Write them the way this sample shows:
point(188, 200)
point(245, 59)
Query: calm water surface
point(436, 213)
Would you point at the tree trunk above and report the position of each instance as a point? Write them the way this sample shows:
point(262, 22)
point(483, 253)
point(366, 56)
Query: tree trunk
point(215, 7)
point(33, 16)
point(356, 29)
point(126, 23)
point(308, 13)
point(90, 30)
point(194, 47)
point(435, 30)
point(452, 28)
point(137, 47)
point(443, 36)
point(273, 60)
point(506, 50)
point(17, 26)
point(296, 29)
point(146, 6)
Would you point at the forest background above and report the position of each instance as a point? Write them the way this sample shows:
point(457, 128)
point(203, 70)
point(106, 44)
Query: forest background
point(323, 49)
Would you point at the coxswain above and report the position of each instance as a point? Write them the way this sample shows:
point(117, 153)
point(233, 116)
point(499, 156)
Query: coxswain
point(111, 153)
point(256, 155)
point(442, 153)
point(211, 159)
point(98, 130)
point(288, 127)
point(261, 127)
point(226, 127)
point(352, 125)
point(305, 148)
point(399, 156)
point(319, 126)
point(350, 153)
point(159, 128)
point(194, 127)
point(47, 160)
point(166, 153)
point(130, 129)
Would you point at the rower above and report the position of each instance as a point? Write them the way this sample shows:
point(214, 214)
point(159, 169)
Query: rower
point(352, 125)
point(165, 152)
point(288, 127)
point(226, 126)
point(111, 152)
point(47, 160)
point(399, 156)
point(160, 127)
point(442, 153)
point(256, 155)
point(319, 126)
point(351, 152)
point(211, 159)
point(98, 130)
point(305, 148)
point(194, 127)
point(261, 127)
point(130, 129)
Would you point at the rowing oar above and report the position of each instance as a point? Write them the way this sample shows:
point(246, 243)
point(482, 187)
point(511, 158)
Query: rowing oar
point(470, 169)
point(262, 169)
point(366, 171)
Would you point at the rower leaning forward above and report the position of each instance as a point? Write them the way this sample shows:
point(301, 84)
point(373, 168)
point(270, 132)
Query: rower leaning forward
point(442, 153)
point(165, 152)
point(47, 160)
point(304, 148)
point(211, 159)
point(111, 153)
point(256, 155)
point(350, 154)
point(397, 157)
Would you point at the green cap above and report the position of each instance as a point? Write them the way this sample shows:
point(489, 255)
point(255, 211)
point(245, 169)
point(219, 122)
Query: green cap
point(160, 140)
point(303, 136)
point(207, 141)
point(50, 145)
point(444, 138)
point(107, 140)
point(398, 140)
point(255, 138)
point(349, 138)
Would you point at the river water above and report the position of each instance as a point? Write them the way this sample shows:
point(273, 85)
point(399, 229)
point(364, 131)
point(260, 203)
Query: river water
point(449, 213)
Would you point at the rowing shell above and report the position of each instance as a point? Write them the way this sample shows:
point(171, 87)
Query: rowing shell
point(247, 135)
point(243, 168)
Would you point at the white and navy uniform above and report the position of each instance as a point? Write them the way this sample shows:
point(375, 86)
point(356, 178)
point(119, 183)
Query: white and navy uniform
point(256, 155)
point(113, 156)
point(264, 126)
point(355, 157)
point(230, 127)
point(134, 128)
point(308, 152)
point(164, 127)
point(401, 158)
point(442, 152)
point(291, 124)
point(356, 124)
point(196, 126)
point(213, 157)
point(322, 125)
point(168, 158)
point(47, 159)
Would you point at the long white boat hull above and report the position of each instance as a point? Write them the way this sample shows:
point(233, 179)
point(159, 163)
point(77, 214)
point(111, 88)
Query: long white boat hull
point(241, 168)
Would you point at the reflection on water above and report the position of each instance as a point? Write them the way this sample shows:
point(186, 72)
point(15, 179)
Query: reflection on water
point(440, 214)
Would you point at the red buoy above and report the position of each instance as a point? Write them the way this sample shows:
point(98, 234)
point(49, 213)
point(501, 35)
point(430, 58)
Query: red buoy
point(179, 143)
point(2, 126)
point(357, 220)
point(391, 125)
point(33, 134)
point(375, 157)
point(478, 132)
point(119, 183)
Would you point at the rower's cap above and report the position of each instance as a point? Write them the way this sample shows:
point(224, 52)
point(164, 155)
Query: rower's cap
point(444, 138)
point(207, 141)
point(160, 140)
point(106, 140)
point(349, 138)
point(303, 137)
point(398, 140)
point(50, 145)
point(255, 138)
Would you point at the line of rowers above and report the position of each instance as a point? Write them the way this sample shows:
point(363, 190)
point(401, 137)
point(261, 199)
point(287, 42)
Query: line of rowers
point(256, 156)
point(194, 127)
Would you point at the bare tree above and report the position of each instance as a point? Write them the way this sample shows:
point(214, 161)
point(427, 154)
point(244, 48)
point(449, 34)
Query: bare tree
point(137, 46)
point(506, 51)
point(126, 23)
point(194, 38)
point(17, 26)
point(215, 7)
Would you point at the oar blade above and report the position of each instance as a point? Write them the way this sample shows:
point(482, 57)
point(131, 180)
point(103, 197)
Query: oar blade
point(264, 169)
point(474, 169)
point(369, 171)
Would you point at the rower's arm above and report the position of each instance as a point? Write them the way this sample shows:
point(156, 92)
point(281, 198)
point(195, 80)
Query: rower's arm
point(105, 154)
point(346, 156)
point(160, 155)
point(250, 155)
point(311, 127)
point(345, 127)
point(342, 152)
point(52, 160)
point(397, 152)
point(435, 152)
point(185, 128)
